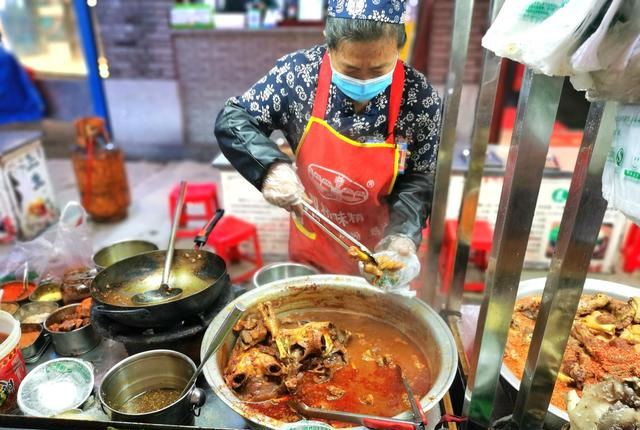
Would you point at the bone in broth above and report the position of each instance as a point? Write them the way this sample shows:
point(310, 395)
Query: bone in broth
point(352, 370)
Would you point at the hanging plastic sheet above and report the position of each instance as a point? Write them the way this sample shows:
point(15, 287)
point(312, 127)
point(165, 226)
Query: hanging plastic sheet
point(607, 64)
point(621, 175)
point(542, 34)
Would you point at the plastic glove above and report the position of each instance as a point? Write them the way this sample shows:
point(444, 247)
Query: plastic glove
point(282, 187)
point(401, 249)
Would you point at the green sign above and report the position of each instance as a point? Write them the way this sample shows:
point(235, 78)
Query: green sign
point(560, 195)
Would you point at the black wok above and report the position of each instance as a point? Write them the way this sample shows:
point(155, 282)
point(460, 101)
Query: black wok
point(201, 275)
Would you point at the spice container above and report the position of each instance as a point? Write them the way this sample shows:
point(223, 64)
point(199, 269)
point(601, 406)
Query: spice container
point(35, 312)
point(33, 341)
point(10, 307)
point(76, 285)
point(47, 292)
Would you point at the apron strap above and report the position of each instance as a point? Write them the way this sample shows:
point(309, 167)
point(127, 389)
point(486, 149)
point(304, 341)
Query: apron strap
point(322, 93)
point(395, 98)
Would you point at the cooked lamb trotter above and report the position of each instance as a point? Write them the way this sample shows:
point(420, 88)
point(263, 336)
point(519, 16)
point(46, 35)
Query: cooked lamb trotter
point(315, 346)
point(255, 375)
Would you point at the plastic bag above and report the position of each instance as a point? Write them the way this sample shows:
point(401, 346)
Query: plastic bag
point(395, 282)
point(542, 34)
point(69, 246)
point(585, 59)
point(621, 175)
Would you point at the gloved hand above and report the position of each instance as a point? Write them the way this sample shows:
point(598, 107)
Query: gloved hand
point(282, 187)
point(401, 249)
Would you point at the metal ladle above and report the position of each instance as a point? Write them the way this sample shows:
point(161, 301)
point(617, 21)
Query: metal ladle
point(226, 326)
point(165, 292)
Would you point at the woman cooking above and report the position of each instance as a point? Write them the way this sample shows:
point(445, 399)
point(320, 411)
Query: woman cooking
point(364, 127)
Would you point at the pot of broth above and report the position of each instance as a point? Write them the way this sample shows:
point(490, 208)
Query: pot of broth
point(146, 387)
point(332, 342)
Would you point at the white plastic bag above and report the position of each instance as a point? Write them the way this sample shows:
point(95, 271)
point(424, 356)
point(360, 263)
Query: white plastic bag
point(585, 59)
point(621, 175)
point(55, 252)
point(542, 34)
point(607, 66)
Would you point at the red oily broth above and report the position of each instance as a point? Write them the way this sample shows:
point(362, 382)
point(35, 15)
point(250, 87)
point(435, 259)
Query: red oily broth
point(3, 337)
point(368, 388)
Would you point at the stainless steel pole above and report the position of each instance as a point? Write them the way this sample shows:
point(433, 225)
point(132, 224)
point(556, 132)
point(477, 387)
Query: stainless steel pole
point(471, 192)
point(581, 222)
point(457, 58)
point(537, 108)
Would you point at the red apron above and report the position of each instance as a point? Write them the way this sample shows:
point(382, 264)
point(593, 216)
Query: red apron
point(346, 180)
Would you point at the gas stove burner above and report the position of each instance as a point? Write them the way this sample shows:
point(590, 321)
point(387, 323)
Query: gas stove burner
point(184, 336)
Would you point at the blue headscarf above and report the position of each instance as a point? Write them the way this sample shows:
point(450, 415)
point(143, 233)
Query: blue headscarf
point(392, 11)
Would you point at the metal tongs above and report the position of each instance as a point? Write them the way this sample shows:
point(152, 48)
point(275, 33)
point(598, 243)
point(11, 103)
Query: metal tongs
point(324, 223)
point(371, 421)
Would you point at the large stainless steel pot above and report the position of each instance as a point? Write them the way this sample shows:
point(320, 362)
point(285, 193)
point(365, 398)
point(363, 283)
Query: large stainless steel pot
point(556, 417)
point(147, 371)
point(411, 316)
point(121, 250)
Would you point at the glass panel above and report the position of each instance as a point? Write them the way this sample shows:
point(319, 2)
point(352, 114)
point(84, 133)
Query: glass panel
point(43, 34)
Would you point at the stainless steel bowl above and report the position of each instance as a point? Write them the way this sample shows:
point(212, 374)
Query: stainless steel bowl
point(148, 371)
point(40, 392)
point(281, 271)
point(121, 250)
point(556, 418)
point(71, 343)
point(29, 351)
point(413, 317)
point(47, 292)
point(35, 312)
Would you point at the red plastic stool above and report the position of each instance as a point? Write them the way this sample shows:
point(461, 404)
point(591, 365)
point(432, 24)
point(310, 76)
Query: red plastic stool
point(206, 195)
point(228, 235)
point(631, 250)
point(226, 239)
point(479, 253)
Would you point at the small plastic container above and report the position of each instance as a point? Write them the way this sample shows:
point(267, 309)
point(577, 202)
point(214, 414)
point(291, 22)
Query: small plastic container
point(12, 367)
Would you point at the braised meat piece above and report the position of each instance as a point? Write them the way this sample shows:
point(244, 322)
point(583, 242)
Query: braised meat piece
point(609, 405)
point(589, 304)
point(575, 364)
point(529, 307)
point(251, 331)
point(623, 312)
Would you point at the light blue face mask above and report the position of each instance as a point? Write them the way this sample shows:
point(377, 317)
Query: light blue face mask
point(361, 90)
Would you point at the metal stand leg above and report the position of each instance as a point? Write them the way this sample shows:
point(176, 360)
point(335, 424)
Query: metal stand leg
point(579, 230)
point(471, 192)
point(537, 110)
point(457, 58)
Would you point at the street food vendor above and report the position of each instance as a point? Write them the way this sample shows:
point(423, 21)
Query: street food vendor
point(363, 125)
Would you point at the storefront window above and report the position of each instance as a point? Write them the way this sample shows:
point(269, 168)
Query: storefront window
point(43, 34)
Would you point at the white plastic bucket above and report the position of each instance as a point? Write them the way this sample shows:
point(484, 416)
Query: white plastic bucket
point(12, 367)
